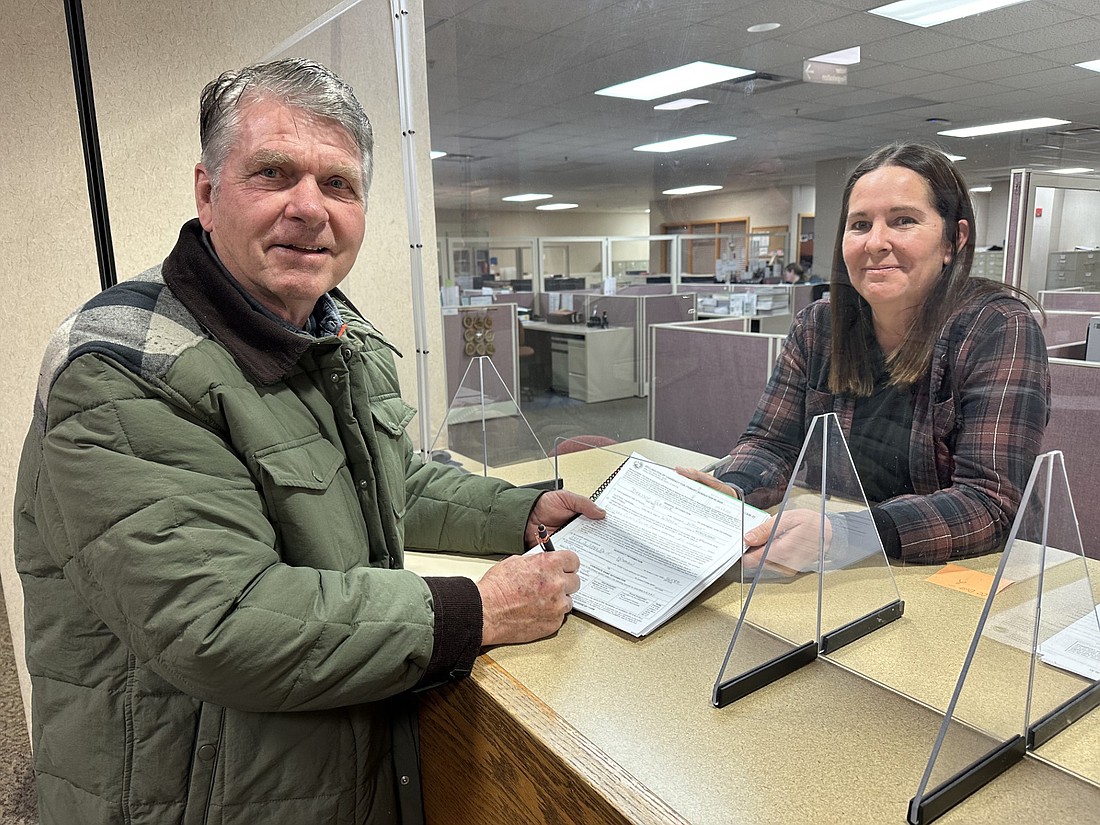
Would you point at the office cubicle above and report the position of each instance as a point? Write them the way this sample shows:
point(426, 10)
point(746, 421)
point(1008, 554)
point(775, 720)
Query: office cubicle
point(705, 381)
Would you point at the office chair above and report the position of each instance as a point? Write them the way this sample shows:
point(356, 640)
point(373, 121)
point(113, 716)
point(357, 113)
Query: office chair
point(577, 443)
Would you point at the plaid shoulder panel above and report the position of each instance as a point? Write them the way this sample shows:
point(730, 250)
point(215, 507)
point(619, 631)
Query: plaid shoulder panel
point(138, 323)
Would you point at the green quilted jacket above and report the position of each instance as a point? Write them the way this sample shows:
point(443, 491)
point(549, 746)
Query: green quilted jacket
point(211, 513)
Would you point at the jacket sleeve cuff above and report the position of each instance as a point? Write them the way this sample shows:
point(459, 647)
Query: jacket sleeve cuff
point(458, 622)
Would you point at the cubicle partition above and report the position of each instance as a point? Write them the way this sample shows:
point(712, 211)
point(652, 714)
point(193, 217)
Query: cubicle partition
point(1074, 428)
point(469, 332)
point(645, 289)
point(1062, 327)
point(1070, 299)
point(706, 382)
point(640, 312)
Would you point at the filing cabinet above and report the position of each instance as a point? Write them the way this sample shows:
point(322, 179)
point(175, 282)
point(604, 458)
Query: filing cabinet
point(1076, 268)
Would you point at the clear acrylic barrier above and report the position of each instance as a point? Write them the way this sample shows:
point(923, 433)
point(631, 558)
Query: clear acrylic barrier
point(485, 430)
point(1034, 660)
point(821, 581)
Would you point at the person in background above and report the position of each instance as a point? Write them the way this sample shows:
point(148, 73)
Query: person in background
point(215, 497)
point(793, 273)
point(939, 380)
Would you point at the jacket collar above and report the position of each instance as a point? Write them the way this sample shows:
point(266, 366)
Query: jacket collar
point(264, 346)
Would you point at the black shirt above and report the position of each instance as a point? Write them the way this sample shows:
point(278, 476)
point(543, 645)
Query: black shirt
point(881, 429)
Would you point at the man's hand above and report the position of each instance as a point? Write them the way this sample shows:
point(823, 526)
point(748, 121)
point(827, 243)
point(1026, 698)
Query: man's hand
point(554, 509)
point(796, 547)
point(524, 598)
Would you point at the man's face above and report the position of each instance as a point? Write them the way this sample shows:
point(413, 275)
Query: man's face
point(287, 218)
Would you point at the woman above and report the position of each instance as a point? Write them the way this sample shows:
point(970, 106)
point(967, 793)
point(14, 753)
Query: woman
point(939, 380)
point(794, 274)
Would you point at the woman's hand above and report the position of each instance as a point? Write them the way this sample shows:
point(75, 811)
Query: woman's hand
point(708, 480)
point(796, 547)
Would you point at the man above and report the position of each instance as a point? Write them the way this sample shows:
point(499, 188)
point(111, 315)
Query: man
point(214, 499)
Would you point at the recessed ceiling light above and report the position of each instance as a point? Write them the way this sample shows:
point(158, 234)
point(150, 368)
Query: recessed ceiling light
point(691, 190)
point(953, 158)
point(530, 196)
point(674, 81)
point(435, 153)
point(762, 27)
point(554, 207)
point(926, 13)
point(1070, 170)
point(681, 103)
point(998, 128)
point(1091, 65)
point(844, 57)
point(689, 142)
point(981, 188)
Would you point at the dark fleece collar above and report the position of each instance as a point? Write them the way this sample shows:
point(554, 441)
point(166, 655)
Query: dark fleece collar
point(264, 347)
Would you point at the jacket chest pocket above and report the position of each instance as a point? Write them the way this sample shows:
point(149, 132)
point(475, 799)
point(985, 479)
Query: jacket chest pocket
point(302, 500)
point(391, 416)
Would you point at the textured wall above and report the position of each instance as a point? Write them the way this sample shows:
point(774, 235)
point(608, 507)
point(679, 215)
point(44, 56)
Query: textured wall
point(149, 62)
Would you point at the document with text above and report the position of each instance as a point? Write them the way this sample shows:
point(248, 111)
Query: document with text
point(1077, 647)
point(664, 540)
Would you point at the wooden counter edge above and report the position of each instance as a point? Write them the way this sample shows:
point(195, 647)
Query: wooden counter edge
point(493, 752)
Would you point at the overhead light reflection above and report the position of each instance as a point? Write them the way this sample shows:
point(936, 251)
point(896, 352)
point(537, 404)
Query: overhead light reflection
point(679, 144)
point(999, 128)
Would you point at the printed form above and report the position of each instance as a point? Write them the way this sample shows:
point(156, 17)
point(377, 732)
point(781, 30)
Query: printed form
point(664, 540)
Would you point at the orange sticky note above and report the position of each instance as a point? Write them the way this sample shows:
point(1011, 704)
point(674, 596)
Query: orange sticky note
point(965, 580)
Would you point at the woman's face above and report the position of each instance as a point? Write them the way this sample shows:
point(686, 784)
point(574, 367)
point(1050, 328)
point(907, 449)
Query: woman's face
point(894, 244)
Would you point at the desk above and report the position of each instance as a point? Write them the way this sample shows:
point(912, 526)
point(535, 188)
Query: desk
point(594, 726)
point(588, 363)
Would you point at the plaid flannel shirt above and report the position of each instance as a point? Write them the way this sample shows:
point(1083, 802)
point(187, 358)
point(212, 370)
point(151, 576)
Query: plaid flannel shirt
point(978, 423)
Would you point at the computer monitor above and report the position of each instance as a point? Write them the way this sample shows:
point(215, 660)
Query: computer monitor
point(564, 284)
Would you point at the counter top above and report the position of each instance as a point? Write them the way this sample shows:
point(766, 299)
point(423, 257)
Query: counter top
point(845, 739)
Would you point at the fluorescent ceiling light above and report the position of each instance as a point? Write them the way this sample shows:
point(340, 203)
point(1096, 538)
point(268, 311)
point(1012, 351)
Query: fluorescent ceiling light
point(691, 190)
point(844, 57)
point(680, 103)
point(925, 13)
point(1091, 65)
point(981, 188)
point(953, 158)
point(554, 207)
point(997, 128)
point(689, 142)
point(674, 81)
point(762, 27)
point(530, 196)
point(1071, 170)
point(435, 153)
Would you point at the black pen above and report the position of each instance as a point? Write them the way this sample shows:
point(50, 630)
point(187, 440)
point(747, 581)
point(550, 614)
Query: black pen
point(544, 539)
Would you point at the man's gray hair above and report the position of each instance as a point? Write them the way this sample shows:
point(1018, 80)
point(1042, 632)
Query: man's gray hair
point(302, 84)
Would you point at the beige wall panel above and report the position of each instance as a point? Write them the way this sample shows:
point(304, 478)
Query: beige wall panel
point(149, 62)
point(48, 248)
